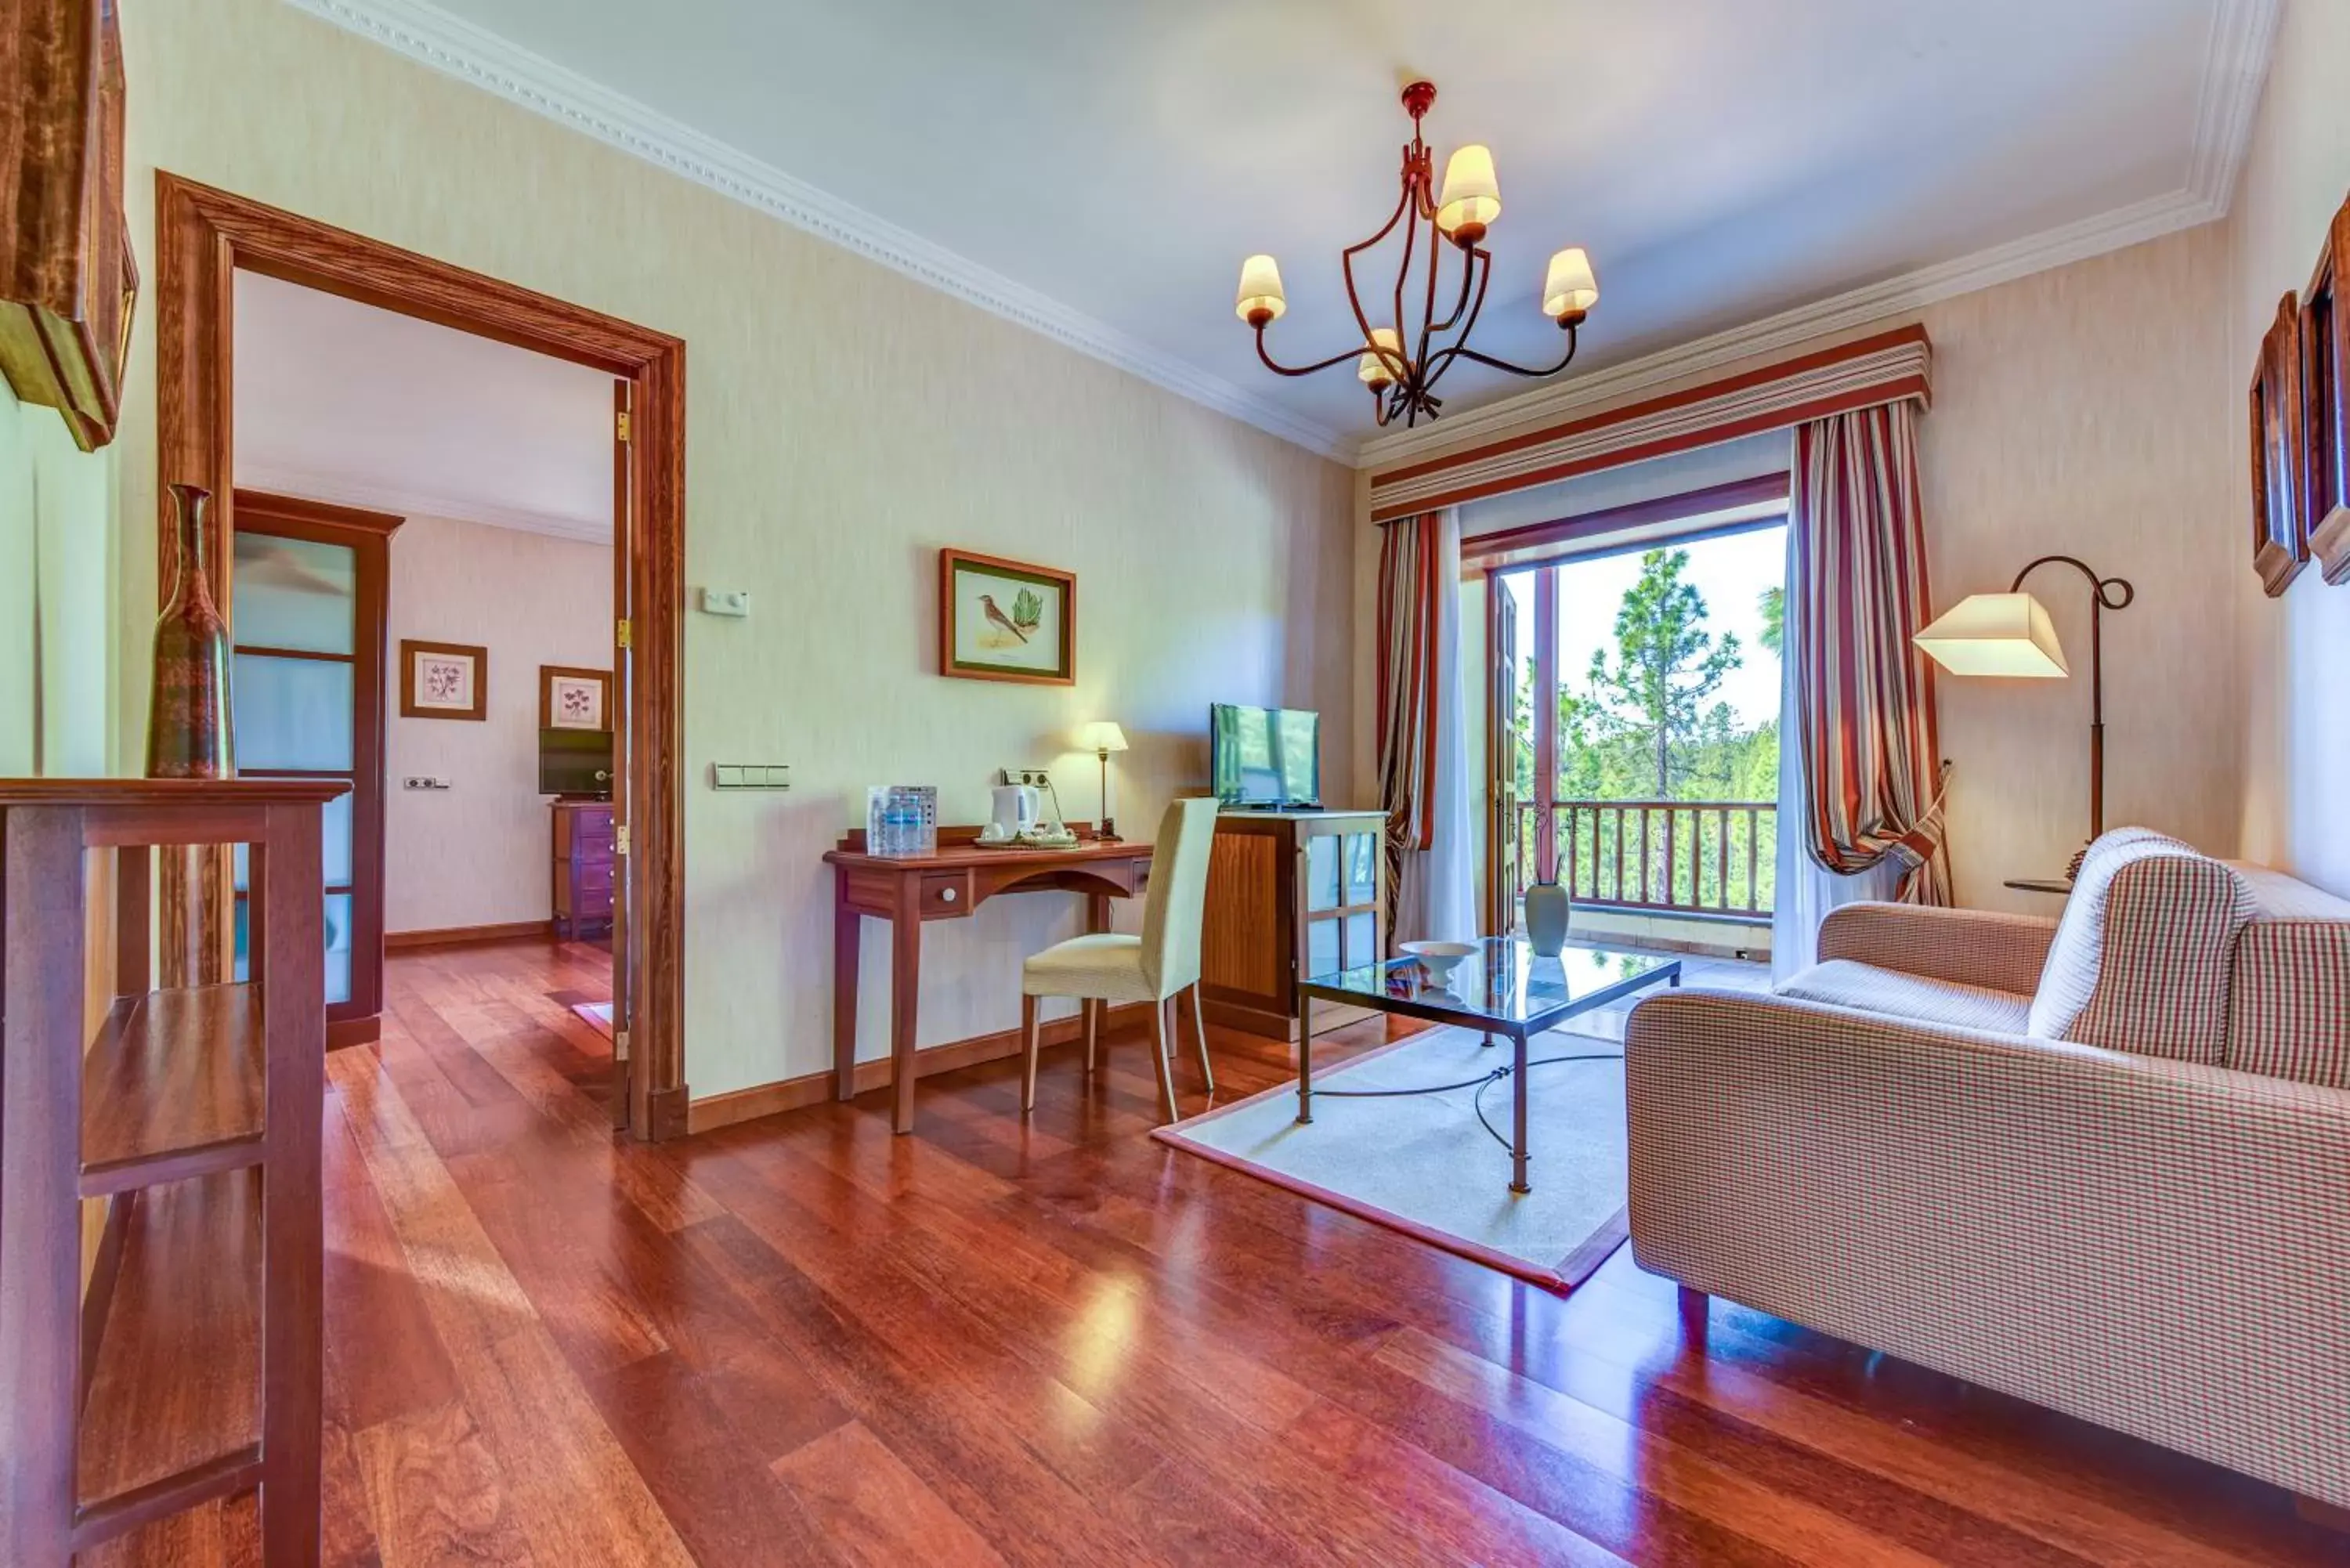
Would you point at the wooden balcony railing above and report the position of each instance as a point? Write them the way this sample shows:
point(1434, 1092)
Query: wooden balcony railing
point(1668, 856)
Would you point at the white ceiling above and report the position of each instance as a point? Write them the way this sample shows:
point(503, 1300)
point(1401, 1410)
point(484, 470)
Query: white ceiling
point(1098, 168)
point(341, 401)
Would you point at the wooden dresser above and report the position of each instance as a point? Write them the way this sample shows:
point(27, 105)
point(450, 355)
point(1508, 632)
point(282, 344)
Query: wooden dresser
point(583, 868)
point(1291, 894)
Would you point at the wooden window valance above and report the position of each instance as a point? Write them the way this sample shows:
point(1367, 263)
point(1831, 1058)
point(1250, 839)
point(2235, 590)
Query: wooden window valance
point(1884, 369)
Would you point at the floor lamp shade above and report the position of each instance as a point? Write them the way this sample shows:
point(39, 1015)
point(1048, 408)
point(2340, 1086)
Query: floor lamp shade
point(1996, 634)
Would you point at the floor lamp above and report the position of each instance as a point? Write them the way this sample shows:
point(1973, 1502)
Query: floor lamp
point(2010, 634)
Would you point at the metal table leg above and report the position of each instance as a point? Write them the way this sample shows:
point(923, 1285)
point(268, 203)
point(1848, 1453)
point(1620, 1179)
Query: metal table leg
point(1518, 1182)
point(1305, 1058)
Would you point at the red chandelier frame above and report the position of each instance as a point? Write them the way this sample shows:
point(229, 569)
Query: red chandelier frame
point(1408, 389)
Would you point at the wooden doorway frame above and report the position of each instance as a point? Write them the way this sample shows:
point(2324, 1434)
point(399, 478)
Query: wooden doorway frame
point(202, 236)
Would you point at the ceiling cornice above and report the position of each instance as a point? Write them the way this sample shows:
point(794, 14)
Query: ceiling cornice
point(425, 33)
point(407, 502)
point(2235, 64)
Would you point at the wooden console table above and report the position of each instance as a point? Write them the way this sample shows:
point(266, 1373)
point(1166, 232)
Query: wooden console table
point(947, 884)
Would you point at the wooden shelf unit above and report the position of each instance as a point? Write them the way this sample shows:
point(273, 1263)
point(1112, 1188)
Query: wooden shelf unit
point(192, 1372)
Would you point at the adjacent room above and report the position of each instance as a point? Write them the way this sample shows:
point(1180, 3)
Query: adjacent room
point(1540, 783)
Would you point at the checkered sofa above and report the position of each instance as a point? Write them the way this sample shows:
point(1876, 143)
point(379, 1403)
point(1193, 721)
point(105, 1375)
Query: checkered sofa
point(2101, 1164)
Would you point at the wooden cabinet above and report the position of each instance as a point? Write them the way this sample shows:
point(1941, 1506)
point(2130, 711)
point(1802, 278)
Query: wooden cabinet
point(583, 868)
point(190, 1370)
point(1291, 894)
point(67, 277)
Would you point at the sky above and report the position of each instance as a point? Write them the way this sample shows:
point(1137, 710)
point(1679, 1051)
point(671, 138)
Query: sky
point(1730, 573)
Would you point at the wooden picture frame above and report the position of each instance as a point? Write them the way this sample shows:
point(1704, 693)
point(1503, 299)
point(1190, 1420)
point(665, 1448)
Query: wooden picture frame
point(2279, 454)
point(558, 687)
point(422, 694)
point(1029, 635)
point(2325, 384)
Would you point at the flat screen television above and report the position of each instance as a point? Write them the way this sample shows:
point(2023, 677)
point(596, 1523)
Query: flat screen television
point(574, 763)
point(1265, 756)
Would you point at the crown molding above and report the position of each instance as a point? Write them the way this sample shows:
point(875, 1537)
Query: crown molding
point(2242, 34)
point(456, 47)
point(407, 502)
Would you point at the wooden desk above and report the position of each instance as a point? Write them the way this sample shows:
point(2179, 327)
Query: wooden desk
point(946, 885)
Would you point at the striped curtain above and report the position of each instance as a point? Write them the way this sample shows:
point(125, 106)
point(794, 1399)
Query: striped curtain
point(1856, 594)
point(1408, 690)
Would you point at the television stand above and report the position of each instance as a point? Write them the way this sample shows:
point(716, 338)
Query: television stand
point(1293, 892)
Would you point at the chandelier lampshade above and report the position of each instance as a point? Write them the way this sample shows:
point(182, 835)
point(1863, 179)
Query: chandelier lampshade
point(1260, 299)
point(1382, 361)
point(1401, 360)
point(1569, 288)
point(1471, 197)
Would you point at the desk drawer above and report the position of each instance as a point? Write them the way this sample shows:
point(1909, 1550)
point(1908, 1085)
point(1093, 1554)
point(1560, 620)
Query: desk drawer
point(946, 894)
point(592, 879)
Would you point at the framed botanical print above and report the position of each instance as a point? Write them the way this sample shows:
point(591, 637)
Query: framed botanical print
point(2325, 387)
point(571, 699)
point(1006, 620)
point(444, 681)
point(2279, 454)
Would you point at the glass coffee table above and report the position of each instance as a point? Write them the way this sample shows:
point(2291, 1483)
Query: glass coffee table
point(1502, 988)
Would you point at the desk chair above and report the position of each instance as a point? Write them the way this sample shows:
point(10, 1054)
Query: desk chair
point(1107, 967)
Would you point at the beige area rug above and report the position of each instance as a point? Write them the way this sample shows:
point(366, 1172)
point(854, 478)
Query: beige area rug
point(1425, 1165)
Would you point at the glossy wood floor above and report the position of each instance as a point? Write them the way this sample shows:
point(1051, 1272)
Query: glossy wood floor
point(804, 1341)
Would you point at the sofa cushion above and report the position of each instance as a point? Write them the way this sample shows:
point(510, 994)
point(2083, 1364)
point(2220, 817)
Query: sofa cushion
point(1917, 998)
point(2142, 955)
point(2289, 1007)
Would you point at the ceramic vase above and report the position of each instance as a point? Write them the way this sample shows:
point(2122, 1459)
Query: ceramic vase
point(1548, 910)
point(188, 710)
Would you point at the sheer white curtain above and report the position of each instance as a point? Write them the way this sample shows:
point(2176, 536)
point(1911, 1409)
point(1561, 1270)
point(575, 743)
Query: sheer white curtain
point(1807, 890)
point(1437, 899)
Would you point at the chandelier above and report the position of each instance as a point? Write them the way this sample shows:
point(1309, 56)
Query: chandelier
point(1402, 374)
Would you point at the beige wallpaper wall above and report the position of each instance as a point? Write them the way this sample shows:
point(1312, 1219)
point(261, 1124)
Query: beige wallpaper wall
point(477, 853)
point(2295, 664)
point(56, 641)
point(844, 423)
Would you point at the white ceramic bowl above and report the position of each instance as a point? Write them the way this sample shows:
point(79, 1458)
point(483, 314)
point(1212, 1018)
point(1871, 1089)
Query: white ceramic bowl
point(1439, 958)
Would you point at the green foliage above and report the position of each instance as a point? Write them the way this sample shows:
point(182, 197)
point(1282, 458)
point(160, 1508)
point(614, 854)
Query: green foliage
point(1027, 610)
point(1774, 604)
point(1654, 693)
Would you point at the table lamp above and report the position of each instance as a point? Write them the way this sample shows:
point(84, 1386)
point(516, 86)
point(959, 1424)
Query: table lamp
point(2010, 634)
point(1102, 737)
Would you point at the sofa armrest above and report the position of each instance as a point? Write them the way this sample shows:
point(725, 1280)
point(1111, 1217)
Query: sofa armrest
point(1970, 947)
point(2158, 1246)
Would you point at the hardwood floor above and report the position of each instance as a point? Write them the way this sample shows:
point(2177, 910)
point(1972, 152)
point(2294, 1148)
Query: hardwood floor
point(804, 1341)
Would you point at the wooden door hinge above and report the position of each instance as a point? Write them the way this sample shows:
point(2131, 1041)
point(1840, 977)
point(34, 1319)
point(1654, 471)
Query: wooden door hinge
point(621, 424)
point(620, 839)
point(620, 1044)
point(620, 634)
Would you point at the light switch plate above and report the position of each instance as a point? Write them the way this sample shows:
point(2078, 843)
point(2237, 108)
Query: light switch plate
point(726, 601)
point(750, 775)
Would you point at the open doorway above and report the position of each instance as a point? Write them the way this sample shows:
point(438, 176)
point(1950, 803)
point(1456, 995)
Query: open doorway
point(1633, 694)
point(206, 240)
point(421, 594)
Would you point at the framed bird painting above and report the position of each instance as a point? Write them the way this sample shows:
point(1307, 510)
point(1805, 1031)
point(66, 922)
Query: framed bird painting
point(1006, 620)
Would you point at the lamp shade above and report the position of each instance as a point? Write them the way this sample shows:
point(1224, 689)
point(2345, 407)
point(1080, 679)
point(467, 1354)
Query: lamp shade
point(1259, 292)
point(1377, 369)
point(1569, 287)
point(1996, 634)
point(1471, 198)
point(1101, 735)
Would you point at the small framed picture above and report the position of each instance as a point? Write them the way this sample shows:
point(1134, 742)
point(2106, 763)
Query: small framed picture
point(1006, 620)
point(444, 681)
point(2325, 384)
point(2279, 454)
point(572, 699)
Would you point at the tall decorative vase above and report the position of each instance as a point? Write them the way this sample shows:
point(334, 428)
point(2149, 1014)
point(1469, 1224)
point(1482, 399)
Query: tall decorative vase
point(188, 712)
point(1548, 910)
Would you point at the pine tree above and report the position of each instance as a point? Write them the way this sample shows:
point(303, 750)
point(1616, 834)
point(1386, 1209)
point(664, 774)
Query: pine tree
point(1655, 691)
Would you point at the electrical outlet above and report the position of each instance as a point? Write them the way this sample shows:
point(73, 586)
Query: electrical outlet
point(1039, 777)
point(423, 781)
point(726, 601)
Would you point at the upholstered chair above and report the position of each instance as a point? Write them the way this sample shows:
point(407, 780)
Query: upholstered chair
point(1156, 967)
